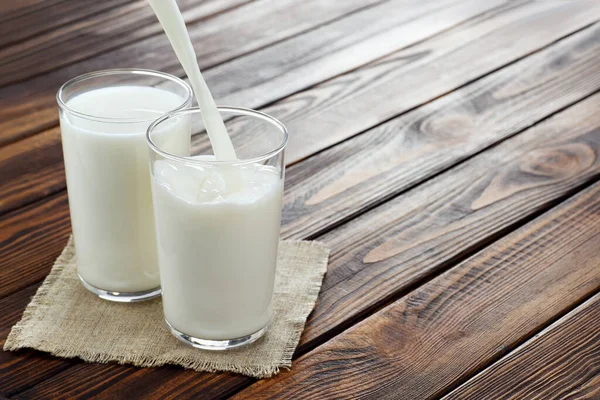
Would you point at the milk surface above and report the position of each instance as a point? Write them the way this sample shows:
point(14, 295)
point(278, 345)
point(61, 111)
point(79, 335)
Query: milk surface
point(217, 247)
point(109, 184)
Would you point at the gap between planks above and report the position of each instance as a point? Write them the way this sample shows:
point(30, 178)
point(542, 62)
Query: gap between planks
point(14, 42)
point(220, 62)
point(189, 24)
point(472, 278)
point(551, 326)
point(388, 119)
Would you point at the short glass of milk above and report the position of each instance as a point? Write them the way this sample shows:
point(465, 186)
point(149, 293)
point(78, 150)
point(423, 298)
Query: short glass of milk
point(104, 117)
point(217, 225)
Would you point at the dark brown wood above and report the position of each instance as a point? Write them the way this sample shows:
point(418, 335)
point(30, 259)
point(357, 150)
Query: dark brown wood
point(409, 238)
point(217, 39)
point(78, 40)
point(10, 9)
point(244, 76)
point(23, 19)
point(453, 326)
point(441, 334)
point(385, 252)
point(304, 60)
point(102, 382)
point(31, 239)
point(362, 172)
point(290, 213)
point(21, 156)
point(561, 362)
point(354, 102)
point(33, 167)
point(21, 370)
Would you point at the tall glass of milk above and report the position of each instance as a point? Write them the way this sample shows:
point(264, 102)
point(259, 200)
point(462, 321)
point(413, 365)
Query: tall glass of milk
point(217, 226)
point(104, 117)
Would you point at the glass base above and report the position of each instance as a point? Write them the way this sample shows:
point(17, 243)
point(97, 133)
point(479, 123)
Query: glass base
point(121, 297)
point(206, 344)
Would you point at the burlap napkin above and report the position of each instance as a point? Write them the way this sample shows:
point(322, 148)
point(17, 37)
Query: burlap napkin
point(63, 318)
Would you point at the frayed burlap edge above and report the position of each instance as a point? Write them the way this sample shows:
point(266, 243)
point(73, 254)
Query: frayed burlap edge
point(18, 338)
point(313, 293)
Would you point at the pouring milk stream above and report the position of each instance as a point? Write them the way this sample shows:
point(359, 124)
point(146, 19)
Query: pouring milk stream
point(217, 225)
point(173, 24)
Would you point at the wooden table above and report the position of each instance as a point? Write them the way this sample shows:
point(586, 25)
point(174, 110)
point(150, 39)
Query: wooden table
point(447, 151)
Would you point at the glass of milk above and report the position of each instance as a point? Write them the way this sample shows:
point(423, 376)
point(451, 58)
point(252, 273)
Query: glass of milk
point(217, 225)
point(104, 117)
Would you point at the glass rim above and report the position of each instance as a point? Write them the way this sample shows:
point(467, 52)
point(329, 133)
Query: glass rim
point(238, 110)
point(121, 71)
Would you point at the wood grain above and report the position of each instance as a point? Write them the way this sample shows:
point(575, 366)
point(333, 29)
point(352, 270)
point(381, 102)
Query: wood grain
point(387, 159)
point(342, 107)
point(560, 362)
point(78, 40)
point(31, 169)
point(131, 382)
point(335, 107)
point(337, 183)
point(217, 39)
point(456, 324)
point(385, 251)
point(379, 82)
point(11, 9)
point(20, 20)
point(308, 177)
point(390, 249)
point(16, 367)
point(31, 239)
point(22, 161)
point(305, 60)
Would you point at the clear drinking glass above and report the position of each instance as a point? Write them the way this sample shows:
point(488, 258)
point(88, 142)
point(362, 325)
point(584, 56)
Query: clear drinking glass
point(218, 227)
point(104, 117)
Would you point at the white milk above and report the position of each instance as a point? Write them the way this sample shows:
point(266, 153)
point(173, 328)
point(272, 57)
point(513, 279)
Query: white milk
point(217, 227)
point(109, 184)
point(173, 24)
point(217, 249)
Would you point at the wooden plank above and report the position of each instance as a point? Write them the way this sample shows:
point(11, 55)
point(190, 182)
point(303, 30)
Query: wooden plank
point(414, 146)
point(560, 362)
point(352, 103)
point(41, 101)
point(10, 9)
point(21, 19)
point(31, 239)
point(337, 183)
point(305, 60)
point(23, 369)
point(24, 184)
point(390, 249)
point(78, 40)
point(31, 169)
point(16, 367)
point(512, 89)
point(217, 39)
point(423, 231)
point(451, 327)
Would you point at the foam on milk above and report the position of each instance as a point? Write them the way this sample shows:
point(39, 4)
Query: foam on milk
point(217, 248)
